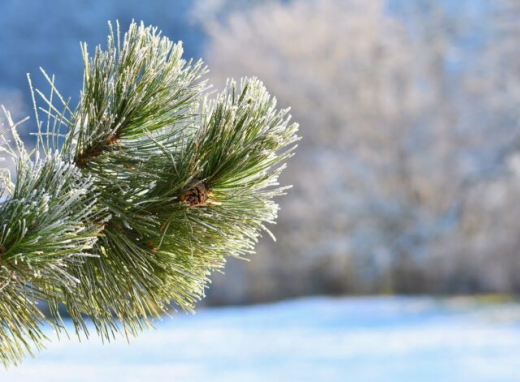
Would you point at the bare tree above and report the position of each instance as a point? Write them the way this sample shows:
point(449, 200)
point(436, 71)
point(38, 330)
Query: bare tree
point(405, 128)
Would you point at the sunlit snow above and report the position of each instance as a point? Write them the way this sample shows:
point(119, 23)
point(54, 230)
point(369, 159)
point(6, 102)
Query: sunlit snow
point(313, 339)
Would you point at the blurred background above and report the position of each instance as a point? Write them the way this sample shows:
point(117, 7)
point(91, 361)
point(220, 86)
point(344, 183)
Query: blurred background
point(406, 181)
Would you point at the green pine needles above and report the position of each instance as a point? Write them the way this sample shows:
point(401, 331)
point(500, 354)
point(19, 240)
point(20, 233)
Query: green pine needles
point(132, 198)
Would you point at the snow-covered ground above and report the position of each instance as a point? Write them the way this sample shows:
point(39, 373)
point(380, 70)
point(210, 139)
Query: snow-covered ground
point(313, 339)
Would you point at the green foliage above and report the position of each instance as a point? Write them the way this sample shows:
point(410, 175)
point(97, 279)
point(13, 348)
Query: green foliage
point(141, 192)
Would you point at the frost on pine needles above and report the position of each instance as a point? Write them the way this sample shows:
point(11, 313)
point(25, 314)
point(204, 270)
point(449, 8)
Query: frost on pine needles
point(133, 197)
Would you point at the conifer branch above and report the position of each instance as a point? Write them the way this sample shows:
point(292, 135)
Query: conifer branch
point(143, 189)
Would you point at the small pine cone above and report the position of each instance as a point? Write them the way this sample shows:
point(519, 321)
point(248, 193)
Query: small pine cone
point(196, 195)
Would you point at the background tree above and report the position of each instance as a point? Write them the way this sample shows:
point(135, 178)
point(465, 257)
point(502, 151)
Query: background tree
point(406, 162)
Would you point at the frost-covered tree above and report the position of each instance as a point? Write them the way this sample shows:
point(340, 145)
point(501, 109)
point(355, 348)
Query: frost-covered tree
point(134, 196)
point(409, 109)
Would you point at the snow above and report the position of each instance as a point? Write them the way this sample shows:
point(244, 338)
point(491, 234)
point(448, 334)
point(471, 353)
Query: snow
point(311, 339)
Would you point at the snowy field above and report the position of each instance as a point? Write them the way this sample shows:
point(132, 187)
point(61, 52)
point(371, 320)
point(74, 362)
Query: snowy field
point(314, 339)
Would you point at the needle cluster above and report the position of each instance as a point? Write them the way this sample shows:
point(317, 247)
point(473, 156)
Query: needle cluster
point(131, 199)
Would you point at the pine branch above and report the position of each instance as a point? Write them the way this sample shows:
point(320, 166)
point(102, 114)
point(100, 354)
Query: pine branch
point(150, 185)
point(43, 232)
